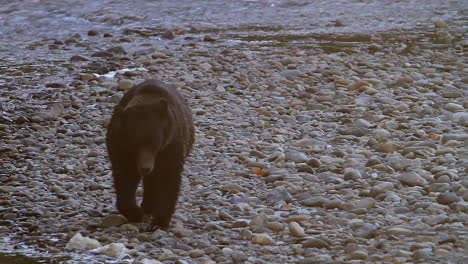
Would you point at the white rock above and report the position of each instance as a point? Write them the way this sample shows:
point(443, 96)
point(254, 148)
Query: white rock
point(80, 242)
point(115, 250)
point(150, 261)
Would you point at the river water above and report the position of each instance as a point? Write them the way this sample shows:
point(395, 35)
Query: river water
point(247, 24)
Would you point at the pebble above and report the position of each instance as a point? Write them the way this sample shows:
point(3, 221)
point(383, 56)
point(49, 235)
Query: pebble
point(125, 85)
point(452, 107)
point(358, 254)
point(412, 179)
point(447, 198)
point(263, 239)
point(296, 156)
point(366, 230)
point(296, 230)
point(113, 220)
point(352, 174)
point(315, 243)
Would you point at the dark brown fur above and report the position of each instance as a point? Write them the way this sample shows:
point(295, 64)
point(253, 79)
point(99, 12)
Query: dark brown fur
point(150, 135)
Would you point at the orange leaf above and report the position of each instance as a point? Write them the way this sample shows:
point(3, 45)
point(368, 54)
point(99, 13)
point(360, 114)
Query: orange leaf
point(433, 136)
point(258, 171)
point(286, 206)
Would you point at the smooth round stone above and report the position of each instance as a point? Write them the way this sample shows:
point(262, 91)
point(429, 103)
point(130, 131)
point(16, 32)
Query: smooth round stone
point(399, 231)
point(315, 243)
point(296, 230)
point(263, 239)
point(196, 253)
point(381, 134)
point(296, 156)
point(358, 254)
point(447, 198)
point(452, 107)
point(352, 174)
point(275, 226)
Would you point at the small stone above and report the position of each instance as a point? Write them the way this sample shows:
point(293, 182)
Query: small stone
point(275, 226)
point(113, 220)
point(260, 219)
point(440, 24)
point(115, 250)
point(357, 85)
point(358, 254)
point(295, 103)
point(125, 85)
point(351, 174)
point(388, 147)
point(382, 187)
point(424, 253)
point(316, 201)
point(209, 38)
point(263, 239)
point(366, 230)
point(314, 163)
point(296, 156)
point(232, 188)
point(412, 179)
point(399, 231)
point(315, 243)
point(80, 242)
point(7, 189)
point(452, 107)
point(196, 253)
point(367, 203)
point(447, 198)
point(168, 34)
point(296, 230)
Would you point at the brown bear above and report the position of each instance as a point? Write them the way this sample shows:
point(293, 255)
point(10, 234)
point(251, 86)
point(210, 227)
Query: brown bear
point(150, 135)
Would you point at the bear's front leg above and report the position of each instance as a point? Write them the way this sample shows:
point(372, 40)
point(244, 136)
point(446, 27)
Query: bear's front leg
point(126, 183)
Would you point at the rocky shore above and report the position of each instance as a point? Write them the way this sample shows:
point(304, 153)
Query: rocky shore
point(355, 155)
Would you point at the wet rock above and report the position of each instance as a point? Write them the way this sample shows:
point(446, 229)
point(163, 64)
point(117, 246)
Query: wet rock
point(80, 242)
point(168, 34)
point(115, 250)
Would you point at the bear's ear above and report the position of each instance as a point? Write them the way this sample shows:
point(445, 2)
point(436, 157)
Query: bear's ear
point(141, 100)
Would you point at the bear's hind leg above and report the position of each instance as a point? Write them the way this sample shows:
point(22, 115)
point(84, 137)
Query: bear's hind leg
point(126, 183)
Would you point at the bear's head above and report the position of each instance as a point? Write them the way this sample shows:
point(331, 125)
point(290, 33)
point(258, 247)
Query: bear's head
point(147, 123)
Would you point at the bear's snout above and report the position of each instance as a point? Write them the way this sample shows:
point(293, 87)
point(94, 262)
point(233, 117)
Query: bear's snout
point(145, 162)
